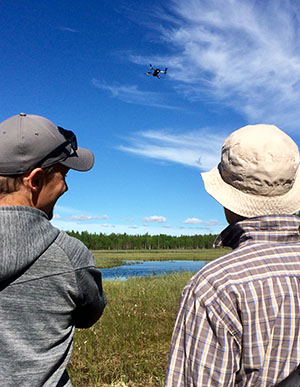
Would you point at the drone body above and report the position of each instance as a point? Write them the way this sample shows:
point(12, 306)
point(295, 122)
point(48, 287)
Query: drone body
point(156, 72)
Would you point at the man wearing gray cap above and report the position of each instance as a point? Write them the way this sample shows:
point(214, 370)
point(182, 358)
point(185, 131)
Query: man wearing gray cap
point(48, 281)
point(239, 318)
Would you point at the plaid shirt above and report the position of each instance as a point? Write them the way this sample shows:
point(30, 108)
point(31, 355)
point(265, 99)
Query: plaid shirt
point(239, 318)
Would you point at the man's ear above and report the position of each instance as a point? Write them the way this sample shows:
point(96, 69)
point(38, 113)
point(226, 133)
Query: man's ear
point(34, 180)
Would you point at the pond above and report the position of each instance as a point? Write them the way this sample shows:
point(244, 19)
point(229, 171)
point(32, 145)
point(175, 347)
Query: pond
point(147, 268)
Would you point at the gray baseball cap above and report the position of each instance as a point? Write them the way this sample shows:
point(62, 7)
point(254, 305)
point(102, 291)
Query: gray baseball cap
point(28, 141)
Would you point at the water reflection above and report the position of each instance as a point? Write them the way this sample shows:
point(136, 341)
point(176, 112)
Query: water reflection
point(143, 269)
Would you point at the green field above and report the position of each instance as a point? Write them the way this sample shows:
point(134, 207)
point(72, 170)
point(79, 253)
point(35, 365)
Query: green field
point(129, 345)
point(112, 258)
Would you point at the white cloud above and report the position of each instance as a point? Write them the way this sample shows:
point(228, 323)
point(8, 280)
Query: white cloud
point(212, 222)
point(56, 216)
point(243, 53)
point(88, 217)
point(192, 221)
point(131, 94)
point(155, 219)
point(199, 149)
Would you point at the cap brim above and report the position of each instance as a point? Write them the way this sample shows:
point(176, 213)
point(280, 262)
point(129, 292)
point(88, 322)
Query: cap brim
point(82, 160)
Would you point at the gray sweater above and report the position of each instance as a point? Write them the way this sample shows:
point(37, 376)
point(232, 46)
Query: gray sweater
point(48, 286)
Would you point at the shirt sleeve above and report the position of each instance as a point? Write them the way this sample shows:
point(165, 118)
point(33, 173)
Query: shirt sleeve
point(89, 297)
point(92, 299)
point(204, 350)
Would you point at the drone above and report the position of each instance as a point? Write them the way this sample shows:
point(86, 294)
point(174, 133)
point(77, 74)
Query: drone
point(156, 72)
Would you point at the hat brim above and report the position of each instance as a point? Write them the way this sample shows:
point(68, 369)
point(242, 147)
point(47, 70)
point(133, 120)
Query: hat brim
point(249, 205)
point(82, 160)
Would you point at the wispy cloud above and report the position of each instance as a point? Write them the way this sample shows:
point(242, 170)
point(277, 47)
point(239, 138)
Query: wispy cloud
point(88, 217)
point(192, 221)
point(68, 29)
point(243, 53)
point(131, 94)
point(212, 222)
point(155, 219)
point(199, 148)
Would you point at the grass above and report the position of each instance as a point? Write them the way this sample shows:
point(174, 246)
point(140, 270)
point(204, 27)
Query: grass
point(113, 258)
point(129, 345)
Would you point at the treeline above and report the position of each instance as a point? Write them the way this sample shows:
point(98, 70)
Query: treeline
point(131, 242)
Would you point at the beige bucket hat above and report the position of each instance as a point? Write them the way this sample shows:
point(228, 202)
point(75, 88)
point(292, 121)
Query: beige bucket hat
point(258, 173)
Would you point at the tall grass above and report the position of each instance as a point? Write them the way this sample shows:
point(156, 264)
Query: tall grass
point(129, 345)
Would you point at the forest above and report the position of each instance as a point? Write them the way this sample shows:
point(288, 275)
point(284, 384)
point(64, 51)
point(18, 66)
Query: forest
point(132, 242)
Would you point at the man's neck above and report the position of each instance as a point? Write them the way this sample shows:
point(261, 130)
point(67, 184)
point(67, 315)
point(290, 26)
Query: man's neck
point(18, 198)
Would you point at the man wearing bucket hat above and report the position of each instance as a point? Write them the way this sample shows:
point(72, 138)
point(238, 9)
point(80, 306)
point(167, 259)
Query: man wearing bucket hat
point(48, 281)
point(239, 316)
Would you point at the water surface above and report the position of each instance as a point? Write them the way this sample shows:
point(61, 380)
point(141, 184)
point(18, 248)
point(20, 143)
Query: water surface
point(146, 268)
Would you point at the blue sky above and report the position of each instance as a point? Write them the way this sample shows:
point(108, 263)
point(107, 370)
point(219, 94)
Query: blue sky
point(82, 63)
